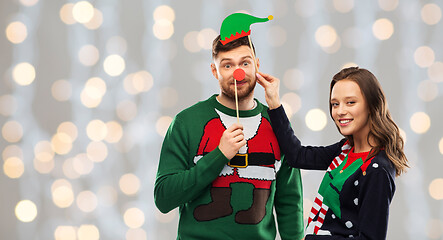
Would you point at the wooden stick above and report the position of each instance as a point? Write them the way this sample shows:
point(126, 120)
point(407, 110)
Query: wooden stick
point(253, 54)
point(236, 99)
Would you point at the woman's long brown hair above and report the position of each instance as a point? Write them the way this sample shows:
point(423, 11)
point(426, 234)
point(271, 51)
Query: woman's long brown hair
point(382, 128)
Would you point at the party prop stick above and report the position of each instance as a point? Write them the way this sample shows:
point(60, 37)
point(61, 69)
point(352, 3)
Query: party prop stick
point(239, 74)
point(235, 26)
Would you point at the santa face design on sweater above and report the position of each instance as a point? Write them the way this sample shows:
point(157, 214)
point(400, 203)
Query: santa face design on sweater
point(256, 163)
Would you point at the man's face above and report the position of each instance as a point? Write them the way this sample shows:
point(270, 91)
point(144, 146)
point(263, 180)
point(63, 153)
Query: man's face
point(223, 69)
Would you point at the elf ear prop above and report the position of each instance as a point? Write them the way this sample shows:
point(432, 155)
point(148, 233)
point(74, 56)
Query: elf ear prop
point(238, 25)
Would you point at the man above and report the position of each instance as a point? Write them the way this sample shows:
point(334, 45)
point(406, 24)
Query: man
point(227, 177)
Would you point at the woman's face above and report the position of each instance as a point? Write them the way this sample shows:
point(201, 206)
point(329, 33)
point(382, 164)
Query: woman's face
point(349, 109)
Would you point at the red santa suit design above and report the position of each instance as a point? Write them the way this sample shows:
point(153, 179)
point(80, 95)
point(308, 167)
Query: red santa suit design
point(257, 162)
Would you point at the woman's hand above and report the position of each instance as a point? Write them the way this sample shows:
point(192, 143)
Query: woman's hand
point(271, 85)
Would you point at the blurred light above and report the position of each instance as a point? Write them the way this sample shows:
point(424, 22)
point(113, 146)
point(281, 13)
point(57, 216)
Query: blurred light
point(190, 41)
point(431, 13)
point(12, 151)
point(89, 101)
point(69, 129)
point(383, 29)
point(96, 130)
point(12, 131)
point(23, 73)
point(293, 102)
point(306, 8)
point(205, 38)
point(97, 151)
point(61, 90)
point(334, 48)
point(116, 45)
point(277, 36)
point(138, 82)
point(26, 211)
point(68, 169)
point(427, 90)
point(43, 151)
point(420, 122)
point(16, 32)
point(129, 184)
point(96, 21)
point(88, 232)
point(115, 132)
point(316, 119)
point(134, 218)
point(87, 201)
point(325, 36)
point(164, 12)
point(62, 194)
point(28, 3)
point(83, 11)
point(66, 14)
point(388, 5)
point(65, 233)
point(8, 105)
point(293, 79)
point(435, 72)
point(107, 196)
point(162, 125)
point(61, 143)
point(163, 29)
point(424, 56)
point(114, 65)
point(43, 167)
point(126, 110)
point(436, 189)
point(403, 135)
point(13, 167)
point(88, 55)
point(95, 88)
point(440, 145)
point(343, 6)
point(434, 229)
point(349, 64)
point(136, 234)
point(169, 97)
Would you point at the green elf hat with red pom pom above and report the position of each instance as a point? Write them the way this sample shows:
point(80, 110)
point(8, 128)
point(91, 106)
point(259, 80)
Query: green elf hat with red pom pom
point(237, 25)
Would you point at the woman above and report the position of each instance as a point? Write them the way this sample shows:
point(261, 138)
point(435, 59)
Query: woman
point(354, 196)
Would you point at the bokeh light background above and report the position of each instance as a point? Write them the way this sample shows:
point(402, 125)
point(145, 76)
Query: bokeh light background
point(88, 89)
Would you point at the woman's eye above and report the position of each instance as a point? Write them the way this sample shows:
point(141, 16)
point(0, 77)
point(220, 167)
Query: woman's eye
point(245, 64)
point(227, 66)
point(351, 102)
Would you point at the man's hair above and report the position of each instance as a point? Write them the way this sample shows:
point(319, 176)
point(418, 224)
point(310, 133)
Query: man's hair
point(218, 47)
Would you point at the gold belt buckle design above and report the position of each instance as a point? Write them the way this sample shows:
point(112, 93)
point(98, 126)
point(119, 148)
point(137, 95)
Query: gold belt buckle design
point(244, 156)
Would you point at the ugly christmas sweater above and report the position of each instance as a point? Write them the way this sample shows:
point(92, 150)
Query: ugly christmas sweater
point(354, 196)
point(220, 198)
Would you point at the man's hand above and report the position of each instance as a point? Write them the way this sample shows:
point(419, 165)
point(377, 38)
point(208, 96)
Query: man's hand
point(271, 85)
point(232, 140)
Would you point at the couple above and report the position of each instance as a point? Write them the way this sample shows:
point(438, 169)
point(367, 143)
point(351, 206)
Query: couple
point(229, 179)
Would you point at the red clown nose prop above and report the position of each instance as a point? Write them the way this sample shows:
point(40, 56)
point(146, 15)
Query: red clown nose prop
point(239, 74)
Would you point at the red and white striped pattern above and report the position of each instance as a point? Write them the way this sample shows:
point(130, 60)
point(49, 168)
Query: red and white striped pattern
point(318, 207)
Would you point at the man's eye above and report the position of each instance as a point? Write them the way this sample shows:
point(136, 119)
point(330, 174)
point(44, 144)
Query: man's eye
point(334, 104)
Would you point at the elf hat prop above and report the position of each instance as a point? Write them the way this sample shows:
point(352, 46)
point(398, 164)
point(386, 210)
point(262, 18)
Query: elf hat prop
point(237, 25)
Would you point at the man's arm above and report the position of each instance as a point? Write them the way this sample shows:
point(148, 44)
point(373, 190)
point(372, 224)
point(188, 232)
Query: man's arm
point(179, 180)
point(289, 203)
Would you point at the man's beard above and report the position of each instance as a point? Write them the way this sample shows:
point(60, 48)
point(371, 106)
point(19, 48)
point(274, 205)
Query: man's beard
point(240, 94)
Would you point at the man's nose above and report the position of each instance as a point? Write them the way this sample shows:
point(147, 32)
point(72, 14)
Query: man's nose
point(239, 74)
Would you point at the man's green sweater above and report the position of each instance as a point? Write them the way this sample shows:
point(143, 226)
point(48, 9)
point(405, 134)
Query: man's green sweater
point(220, 198)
